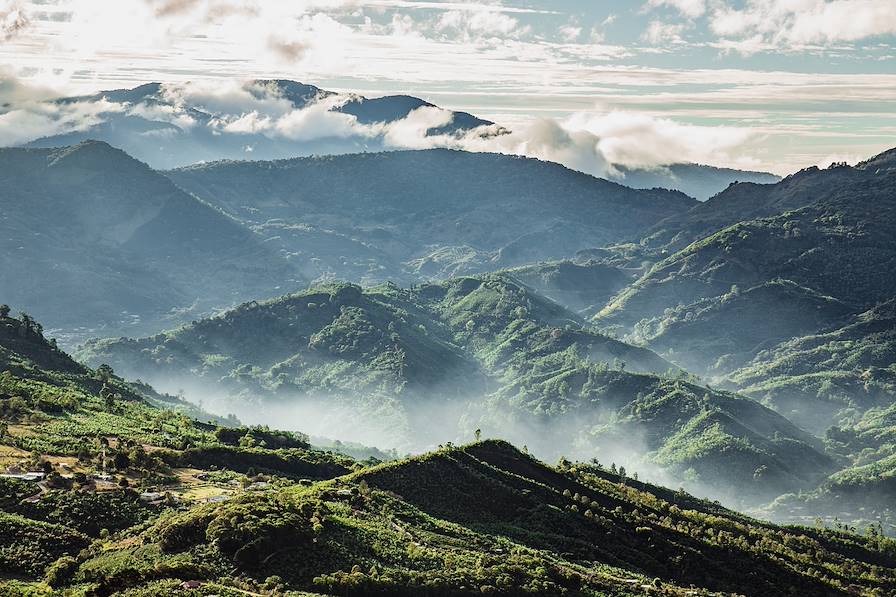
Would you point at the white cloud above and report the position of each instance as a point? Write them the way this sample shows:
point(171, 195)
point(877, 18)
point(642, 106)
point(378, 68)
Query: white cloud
point(570, 32)
point(481, 25)
point(410, 132)
point(318, 121)
point(641, 140)
point(13, 19)
point(34, 120)
point(659, 33)
point(796, 25)
point(163, 113)
point(689, 8)
point(589, 142)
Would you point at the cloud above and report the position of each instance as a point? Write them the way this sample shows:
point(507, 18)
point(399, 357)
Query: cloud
point(475, 25)
point(35, 120)
point(410, 132)
point(170, 8)
point(659, 33)
point(290, 51)
point(793, 25)
point(570, 32)
point(641, 140)
point(163, 113)
point(13, 19)
point(689, 8)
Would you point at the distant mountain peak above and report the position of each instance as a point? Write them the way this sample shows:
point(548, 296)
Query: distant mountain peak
point(91, 153)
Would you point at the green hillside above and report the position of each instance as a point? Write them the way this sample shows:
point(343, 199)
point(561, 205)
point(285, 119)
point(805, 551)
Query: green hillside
point(817, 378)
point(139, 500)
point(482, 519)
point(717, 304)
point(409, 368)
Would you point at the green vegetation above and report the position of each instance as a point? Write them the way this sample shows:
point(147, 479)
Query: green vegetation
point(483, 519)
point(143, 501)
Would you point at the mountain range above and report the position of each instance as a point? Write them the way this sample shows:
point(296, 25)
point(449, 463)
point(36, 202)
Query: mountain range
point(768, 290)
point(169, 126)
point(134, 247)
point(740, 347)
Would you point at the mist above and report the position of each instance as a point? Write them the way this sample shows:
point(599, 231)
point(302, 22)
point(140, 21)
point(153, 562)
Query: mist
point(420, 421)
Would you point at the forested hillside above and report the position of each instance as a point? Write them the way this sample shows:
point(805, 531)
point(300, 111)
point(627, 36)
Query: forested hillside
point(411, 367)
point(91, 238)
point(439, 212)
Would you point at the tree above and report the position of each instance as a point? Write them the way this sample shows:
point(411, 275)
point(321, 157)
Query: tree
point(104, 372)
point(108, 397)
point(4, 311)
point(122, 461)
point(27, 323)
point(477, 433)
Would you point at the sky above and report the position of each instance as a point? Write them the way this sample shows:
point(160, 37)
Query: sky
point(774, 85)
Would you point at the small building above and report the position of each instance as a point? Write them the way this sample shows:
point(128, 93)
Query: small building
point(150, 496)
point(32, 477)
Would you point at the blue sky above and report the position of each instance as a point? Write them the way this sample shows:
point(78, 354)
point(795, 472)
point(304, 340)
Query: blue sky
point(769, 84)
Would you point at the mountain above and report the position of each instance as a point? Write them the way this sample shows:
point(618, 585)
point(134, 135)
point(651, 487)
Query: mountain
point(750, 201)
point(697, 180)
point(389, 367)
point(92, 237)
point(169, 126)
point(132, 248)
point(766, 280)
point(438, 212)
point(404, 351)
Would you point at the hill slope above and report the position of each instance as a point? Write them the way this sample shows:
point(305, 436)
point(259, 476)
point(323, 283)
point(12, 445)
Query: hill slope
point(490, 210)
point(812, 267)
point(485, 519)
point(90, 235)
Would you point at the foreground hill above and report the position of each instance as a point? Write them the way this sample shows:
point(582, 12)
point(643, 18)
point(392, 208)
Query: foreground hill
point(90, 235)
point(410, 367)
point(442, 212)
point(139, 501)
point(482, 519)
